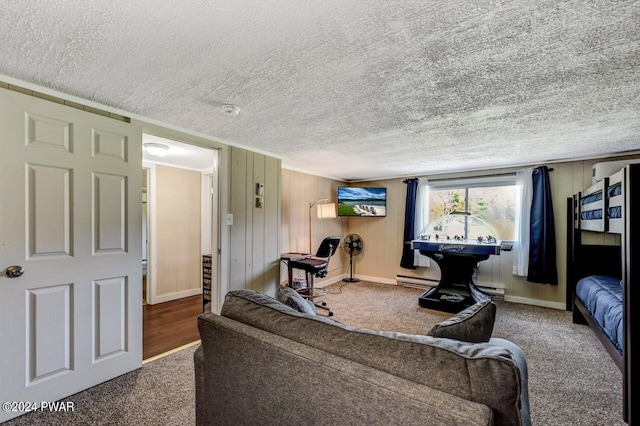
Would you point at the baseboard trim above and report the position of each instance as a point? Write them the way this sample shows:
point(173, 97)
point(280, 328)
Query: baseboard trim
point(376, 279)
point(535, 302)
point(320, 284)
point(324, 283)
point(172, 351)
point(176, 296)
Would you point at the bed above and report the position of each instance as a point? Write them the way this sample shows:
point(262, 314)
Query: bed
point(600, 277)
point(600, 297)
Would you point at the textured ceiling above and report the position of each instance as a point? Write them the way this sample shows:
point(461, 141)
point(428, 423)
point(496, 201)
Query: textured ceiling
point(180, 155)
point(351, 89)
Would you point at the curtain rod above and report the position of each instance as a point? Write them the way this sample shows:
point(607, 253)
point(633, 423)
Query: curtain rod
point(479, 176)
point(410, 179)
point(548, 169)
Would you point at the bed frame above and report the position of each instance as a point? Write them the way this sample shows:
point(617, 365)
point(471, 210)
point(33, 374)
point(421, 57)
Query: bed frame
point(608, 206)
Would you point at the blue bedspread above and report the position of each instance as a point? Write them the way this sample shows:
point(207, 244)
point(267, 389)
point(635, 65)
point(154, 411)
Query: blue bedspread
point(602, 296)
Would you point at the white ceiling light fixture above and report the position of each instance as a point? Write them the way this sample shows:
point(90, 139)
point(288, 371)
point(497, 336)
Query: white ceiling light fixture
point(231, 110)
point(156, 149)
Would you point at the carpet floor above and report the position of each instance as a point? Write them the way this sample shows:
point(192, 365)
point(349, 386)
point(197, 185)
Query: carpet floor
point(572, 380)
point(162, 392)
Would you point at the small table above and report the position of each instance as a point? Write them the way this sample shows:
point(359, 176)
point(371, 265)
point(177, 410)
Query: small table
point(287, 257)
point(456, 260)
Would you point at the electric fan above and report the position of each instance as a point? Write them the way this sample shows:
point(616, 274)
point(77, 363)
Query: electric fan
point(353, 245)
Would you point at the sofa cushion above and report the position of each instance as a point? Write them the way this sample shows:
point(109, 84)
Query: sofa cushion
point(473, 324)
point(256, 377)
point(292, 298)
point(521, 362)
point(480, 372)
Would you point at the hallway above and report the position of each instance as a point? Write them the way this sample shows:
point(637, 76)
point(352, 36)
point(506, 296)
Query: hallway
point(169, 325)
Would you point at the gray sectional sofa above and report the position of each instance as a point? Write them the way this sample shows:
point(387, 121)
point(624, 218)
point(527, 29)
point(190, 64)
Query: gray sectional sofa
point(263, 362)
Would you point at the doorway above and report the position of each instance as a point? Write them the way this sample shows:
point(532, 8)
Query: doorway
point(145, 221)
point(181, 201)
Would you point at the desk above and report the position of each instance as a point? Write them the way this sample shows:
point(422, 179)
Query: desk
point(456, 260)
point(294, 256)
point(287, 257)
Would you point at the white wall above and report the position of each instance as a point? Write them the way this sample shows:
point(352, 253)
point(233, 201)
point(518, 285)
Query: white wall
point(178, 253)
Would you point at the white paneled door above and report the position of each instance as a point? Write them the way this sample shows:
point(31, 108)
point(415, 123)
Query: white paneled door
point(70, 244)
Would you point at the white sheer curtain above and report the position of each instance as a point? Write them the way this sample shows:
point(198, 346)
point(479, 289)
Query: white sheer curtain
point(422, 218)
point(524, 194)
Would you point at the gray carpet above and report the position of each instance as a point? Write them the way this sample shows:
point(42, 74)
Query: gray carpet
point(572, 380)
point(162, 392)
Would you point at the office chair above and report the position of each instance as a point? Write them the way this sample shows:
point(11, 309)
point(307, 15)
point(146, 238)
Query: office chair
point(315, 266)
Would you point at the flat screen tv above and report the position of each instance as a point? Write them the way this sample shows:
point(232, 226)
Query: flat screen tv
point(362, 201)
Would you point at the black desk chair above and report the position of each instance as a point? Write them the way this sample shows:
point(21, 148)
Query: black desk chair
point(315, 266)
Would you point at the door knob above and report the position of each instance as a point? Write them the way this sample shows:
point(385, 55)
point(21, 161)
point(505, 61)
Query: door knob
point(14, 271)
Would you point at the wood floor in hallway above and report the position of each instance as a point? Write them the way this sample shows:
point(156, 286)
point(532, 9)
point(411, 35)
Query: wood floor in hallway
point(169, 325)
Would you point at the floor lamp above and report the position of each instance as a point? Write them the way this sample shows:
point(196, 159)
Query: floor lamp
point(326, 210)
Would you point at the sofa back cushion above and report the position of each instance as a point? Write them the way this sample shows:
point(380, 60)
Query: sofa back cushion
point(480, 372)
point(292, 298)
point(473, 324)
point(248, 376)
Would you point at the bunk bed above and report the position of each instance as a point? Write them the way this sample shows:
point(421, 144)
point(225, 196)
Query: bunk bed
point(600, 278)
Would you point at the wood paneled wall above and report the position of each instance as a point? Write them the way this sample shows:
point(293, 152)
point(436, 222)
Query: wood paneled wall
point(382, 237)
point(298, 191)
point(255, 233)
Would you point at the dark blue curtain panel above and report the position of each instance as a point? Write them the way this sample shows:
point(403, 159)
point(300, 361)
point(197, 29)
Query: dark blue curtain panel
point(542, 248)
point(409, 223)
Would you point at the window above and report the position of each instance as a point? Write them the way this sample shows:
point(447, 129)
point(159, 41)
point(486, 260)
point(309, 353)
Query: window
point(472, 208)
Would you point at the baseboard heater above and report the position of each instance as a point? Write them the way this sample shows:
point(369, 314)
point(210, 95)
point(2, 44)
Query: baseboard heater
point(418, 282)
point(493, 291)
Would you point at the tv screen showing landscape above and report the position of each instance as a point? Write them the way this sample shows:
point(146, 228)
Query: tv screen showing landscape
point(362, 201)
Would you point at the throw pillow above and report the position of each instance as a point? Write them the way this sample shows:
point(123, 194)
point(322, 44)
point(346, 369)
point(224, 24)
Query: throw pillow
point(292, 298)
point(473, 324)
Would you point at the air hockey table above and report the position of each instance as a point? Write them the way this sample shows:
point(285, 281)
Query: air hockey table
point(457, 260)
